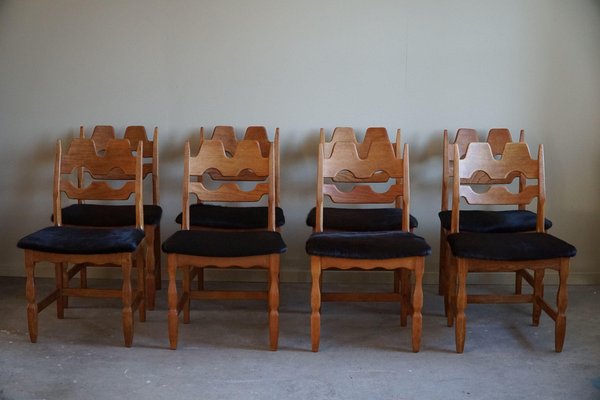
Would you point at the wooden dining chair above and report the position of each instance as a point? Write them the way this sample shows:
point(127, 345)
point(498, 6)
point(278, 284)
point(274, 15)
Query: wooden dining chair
point(518, 219)
point(208, 215)
point(71, 247)
point(192, 250)
point(503, 251)
point(93, 214)
point(388, 250)
point(361, 218)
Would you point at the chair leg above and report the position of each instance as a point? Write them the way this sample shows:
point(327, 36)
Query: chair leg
point(397, 280)
point(127, 300)
point(186, 289)
point(538, 295)
point(150, 266)
point(157, 259)
point(200, 273)
point(315, 303)
point(450, 295)
point(404, 296)
point(172, 300)
point(60, 300)
point(461, 305)
point(32, 308)
point(417, 306)
point(561, 302)
point(442, 279)
point(273, 301)
point(141, 286)
point(518, 282)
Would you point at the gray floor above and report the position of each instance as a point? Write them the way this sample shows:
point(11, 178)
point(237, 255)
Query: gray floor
point(364, 354)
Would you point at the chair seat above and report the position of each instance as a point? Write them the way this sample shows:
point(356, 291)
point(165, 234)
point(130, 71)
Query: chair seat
point(367, 245)
point(77, 240)
point(360, 219)
point(483, 221)
point(509, 246)
point(224, 243)
point(226, 217)
point(106, 215)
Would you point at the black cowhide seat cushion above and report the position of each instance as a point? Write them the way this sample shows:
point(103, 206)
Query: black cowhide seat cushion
point(225, 217)
point(79, 240)
point(108, 215)
point(224, 243)
point(509, 246)
point(367, 245)
point(493, 221)
point(360, 219)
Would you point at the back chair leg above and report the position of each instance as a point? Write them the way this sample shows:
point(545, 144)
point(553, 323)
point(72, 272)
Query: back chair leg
point(141, 287)
point(461, 305)
point(32, 308)
point(404, 295)
point(151, 267)
point(59, 279)
point(186, 289)
point(538, 295)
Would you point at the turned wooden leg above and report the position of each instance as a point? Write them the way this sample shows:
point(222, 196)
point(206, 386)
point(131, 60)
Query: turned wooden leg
point(150, 267)
point(417, 306)
point(404, 296)
point(315, 302)
point(538, 295)
point(140, 266)
point(518, 282)
point(442, 278)
point(32, 308)
point(561, 302)
point(273, 300)
point(461, 305)
point(450, 295)
point(172, 300)
point(127, 300)
point(60, 300)
point(157, 259)
point(186, 289)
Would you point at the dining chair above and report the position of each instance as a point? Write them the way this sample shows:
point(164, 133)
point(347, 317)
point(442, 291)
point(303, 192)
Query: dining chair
point(71, 248)
point(368, 250)
point(192, 250)
point(503, 251)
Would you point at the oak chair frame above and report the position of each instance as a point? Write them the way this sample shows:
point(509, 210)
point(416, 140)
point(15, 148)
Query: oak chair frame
point(82, 155)
point(515, 161)
point(382, 158)
point(212, 159)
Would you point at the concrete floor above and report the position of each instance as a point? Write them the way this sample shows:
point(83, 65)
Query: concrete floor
point(364, 353)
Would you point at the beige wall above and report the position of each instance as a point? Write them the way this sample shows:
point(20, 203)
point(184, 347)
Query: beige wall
point(300, 65)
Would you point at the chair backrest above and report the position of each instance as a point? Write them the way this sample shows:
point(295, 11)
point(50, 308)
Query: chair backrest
point(227, 135)
point(102, 134)
point(497, 138)
point(228, 168)
point(116, 162)
point(347, 134)
point(515, 161)
point(380, 159)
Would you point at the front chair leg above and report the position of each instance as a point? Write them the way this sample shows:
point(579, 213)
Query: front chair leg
point(172, 300)
point(417, 306)
point(461, 305)
point(32, 308)
point(127, 301)
point(561, 302)
point(315, 302)
point(273, 301)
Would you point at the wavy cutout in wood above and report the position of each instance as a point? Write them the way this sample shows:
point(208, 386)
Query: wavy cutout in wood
point(515, 159)
point(500, 195)
point(229, 192)
point(362, 194)
point(246, 157)
point(97, 191)
point(381, 158)
point(81, 153)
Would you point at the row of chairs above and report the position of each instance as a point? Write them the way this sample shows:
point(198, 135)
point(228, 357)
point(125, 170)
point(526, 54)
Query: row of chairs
point(350, 173)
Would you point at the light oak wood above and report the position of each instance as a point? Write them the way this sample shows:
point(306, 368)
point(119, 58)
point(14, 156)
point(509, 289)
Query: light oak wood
point(497, 139)
point(229, 163)
point(515, 159)
point(382, 157)
point(82, 155)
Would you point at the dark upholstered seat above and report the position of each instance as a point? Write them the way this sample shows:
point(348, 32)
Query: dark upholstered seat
point(224, 217)
point(224, 243)
point(100, 215)
point(509, 246)
point(493, 221)
point(360, 219)
point(367, 245)
point(75, 240)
